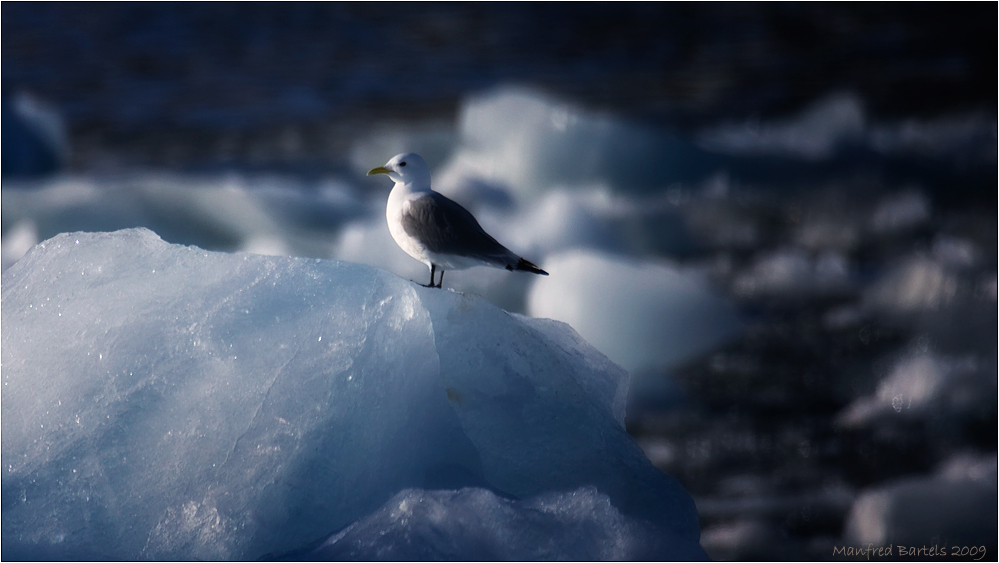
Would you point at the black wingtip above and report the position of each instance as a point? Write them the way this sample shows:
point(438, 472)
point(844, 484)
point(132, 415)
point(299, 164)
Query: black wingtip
point(526, 266)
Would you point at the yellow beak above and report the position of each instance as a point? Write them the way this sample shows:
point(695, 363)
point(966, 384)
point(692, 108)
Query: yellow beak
point(379, 170)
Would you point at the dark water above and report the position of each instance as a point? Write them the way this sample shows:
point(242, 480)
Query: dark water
point(168, 84)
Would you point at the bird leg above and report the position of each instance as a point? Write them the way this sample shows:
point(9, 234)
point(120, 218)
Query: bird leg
point(433, 270)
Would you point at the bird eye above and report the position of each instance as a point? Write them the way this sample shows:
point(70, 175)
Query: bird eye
point(402, 164)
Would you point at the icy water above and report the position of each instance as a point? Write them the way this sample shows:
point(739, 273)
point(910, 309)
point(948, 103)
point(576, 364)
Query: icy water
point(818, 179)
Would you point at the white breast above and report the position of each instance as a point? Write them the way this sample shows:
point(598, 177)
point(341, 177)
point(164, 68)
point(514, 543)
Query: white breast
point(398, 202)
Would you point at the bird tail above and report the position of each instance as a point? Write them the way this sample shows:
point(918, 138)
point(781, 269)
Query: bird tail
point(526, 266)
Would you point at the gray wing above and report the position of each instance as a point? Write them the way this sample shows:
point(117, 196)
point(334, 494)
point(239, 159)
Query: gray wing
point(445, 227)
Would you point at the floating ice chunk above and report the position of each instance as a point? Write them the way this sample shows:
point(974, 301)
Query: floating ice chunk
point(925, 511)
point(970, 136)
point(955, 252)
point(813, 134)
point(716, 223)
point(477, 193)
point(988, 287)
point(982, 469)
point(900, 212)
point(739, 538)
point(369, 242)
point(266, 245)
point(923, 384)
point(17, 241)
point(840, 234)
point(273, 214)
point(166, 402)
point(561, 219)
point(795, 272)
point(838, 120)
point(531, 142)
point(916, 284)
point(641, 314)
point(434, 140)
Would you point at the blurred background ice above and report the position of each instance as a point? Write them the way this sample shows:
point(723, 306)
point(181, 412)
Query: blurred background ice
point(780, 218)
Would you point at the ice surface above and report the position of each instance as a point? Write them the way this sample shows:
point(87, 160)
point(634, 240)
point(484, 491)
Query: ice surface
point(476, 524)
point(641, 314)
point(167, 402)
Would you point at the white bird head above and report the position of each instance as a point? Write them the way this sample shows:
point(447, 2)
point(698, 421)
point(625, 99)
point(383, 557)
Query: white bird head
point(407, 168)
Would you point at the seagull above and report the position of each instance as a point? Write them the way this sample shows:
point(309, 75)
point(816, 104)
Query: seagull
point(434, 229)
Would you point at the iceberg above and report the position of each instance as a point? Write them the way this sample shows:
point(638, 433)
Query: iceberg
point(166, 402)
